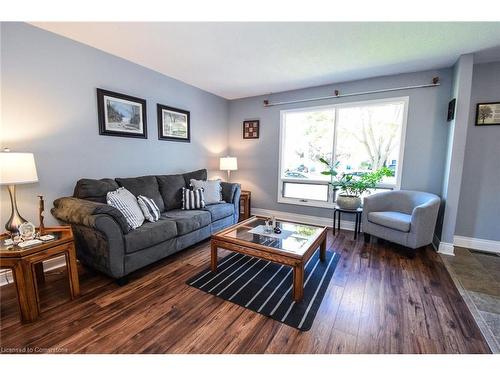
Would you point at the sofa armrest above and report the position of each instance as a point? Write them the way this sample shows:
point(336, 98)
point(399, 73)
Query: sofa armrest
point(98, 230)
point(231, 194)
point(83, 212)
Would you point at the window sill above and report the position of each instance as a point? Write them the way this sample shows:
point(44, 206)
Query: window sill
point(303, 202)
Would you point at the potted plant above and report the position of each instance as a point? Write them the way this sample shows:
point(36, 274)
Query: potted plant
point(353, 186)
point(332, 172)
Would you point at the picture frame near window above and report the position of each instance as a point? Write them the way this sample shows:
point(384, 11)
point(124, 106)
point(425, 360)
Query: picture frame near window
point(251, 129)
point(451, 109)
point(173, 124)
point(121, 115)
point(488, 114)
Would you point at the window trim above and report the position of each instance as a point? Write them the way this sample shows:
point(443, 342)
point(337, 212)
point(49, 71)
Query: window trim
point(330, 204)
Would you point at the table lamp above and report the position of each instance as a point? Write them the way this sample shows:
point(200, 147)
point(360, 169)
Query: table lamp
point(228, 164)
point(16, 168)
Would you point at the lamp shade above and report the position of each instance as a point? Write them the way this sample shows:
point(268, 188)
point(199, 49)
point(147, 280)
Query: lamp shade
point(228, 163)
point(17, 168)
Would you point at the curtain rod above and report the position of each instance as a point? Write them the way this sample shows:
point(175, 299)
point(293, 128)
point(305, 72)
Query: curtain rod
point(435, 83)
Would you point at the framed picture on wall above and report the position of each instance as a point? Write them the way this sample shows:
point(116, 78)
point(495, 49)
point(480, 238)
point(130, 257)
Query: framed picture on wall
point(251, 129)
point(488, 114)
point(121, 115)
point(451, 109)
point(173, 124)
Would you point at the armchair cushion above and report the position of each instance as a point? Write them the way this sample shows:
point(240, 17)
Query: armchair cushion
point(391, 219)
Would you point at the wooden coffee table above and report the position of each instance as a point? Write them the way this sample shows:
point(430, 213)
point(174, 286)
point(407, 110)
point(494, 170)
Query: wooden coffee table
point(298, 244)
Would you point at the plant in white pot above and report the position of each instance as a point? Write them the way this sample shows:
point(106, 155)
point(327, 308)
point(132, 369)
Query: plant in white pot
point(353, 186)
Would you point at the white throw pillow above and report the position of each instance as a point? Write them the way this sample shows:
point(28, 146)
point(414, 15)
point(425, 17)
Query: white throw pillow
point(124, 201)
point(149, 208)
point(212, 190)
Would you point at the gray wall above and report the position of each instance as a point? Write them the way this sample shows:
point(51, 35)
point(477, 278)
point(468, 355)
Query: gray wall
point(48, 86)
point(461, 90)
point(479, 207)
point(425, 146)
point(49, 108)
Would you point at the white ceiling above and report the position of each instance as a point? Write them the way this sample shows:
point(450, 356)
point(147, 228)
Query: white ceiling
point(237, 60)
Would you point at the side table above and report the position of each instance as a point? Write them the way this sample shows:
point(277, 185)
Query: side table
point(27, 268)
point(245, 201)
point(357, 221)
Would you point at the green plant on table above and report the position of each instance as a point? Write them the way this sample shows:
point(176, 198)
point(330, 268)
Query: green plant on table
point(354, 185)
point(331, 171)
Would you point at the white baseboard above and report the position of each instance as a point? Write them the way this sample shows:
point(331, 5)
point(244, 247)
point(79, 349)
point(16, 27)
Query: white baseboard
point(48, 265)
point(477, 244)
point(467, 242)
point(446, 248)
point(307, 219)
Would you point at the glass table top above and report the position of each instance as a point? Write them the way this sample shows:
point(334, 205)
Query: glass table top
point(59, 234)
point(297, 238)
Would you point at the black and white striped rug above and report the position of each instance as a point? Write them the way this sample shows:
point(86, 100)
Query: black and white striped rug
point(266, 287)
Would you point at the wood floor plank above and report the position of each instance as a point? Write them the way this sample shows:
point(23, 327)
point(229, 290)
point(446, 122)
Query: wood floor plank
point(378, 301)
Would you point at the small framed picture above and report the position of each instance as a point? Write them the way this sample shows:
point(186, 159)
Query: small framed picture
point(121, 115)
point(173, 124)
point(451, 109)
point(251, 129)
point(488, 114)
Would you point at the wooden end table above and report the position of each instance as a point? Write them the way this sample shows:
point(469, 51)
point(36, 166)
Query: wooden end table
point(306, 240)
point(245, 202)
point(27, 267)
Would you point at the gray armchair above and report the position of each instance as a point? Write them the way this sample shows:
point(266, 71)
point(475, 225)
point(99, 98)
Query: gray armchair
point(402, 216)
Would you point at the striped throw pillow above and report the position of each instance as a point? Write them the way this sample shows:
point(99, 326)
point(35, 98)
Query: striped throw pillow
point(149, 208)
point(126, 203)
point(192, 199)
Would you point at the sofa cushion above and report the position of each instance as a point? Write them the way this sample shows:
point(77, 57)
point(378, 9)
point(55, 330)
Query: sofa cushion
point(188, 221)
point(200, 174)
point(145, 185)
point(220, 210)
point(391, 219)
point(171, 190)
point(212, 190)
point(150, 234)
point(94, 190)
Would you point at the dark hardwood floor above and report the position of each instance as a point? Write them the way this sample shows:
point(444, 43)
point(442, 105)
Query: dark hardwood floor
point(378, 301)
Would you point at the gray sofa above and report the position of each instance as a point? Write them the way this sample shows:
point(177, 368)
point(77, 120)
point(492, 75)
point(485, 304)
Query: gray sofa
point(402, 216)
point(104, 240)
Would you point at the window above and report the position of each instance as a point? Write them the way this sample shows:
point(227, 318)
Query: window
point(362, 137)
